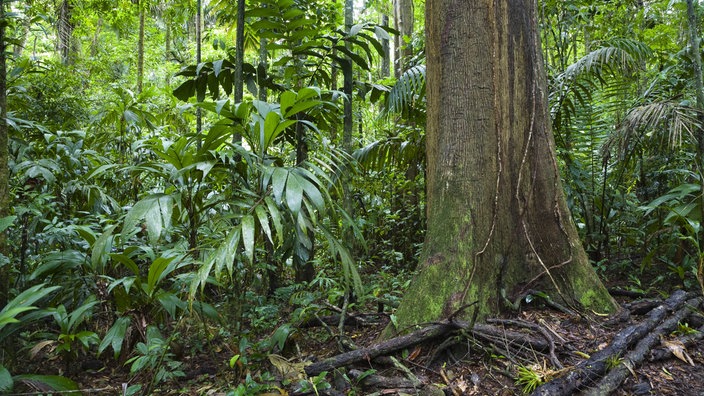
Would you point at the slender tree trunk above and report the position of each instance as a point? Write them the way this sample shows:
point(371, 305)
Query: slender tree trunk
point(404, 21)
point(348, 82)
point(64, 32)
point(386, 60)
point(694, 46)
point(199, 39)
point(498, 222)
point(239, 60)
point(140, 49)
point(4, 157)
point(24, 32)
point(239, 52)
point(263, 67)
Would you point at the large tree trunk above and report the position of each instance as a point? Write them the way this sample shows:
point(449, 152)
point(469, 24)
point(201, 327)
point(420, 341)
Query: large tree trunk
point(498, 223)
point(4, 169)
point(696, 54)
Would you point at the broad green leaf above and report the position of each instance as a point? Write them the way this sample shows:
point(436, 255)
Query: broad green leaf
point(276, 218)
point(28, 297)
point(264, 221)
point(186, 90)
point(126, 261)
point(248, 236)
point(294, 193)
point(101, 248)
point(6, 382)
point(217, 66)
point(6, 222)
point(355, 29)
point(301, 106)
point(278, 183)
point(286, 100)
point(270, 131)
point(115, 336)
point(170, 302)
point(53, 382)
point(307, 93)
point(381, 34)
point(7, 317)
point(158, 270)
point(312, 192)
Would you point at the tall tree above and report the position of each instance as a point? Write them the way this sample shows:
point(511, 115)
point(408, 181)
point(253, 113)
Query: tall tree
point(497, 220)
point(403, 23)
point(4, 157)
point(140, 46)
point(694, 47)
point(64, 31)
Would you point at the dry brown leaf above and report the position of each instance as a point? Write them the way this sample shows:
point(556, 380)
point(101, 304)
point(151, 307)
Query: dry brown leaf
point(414, 354)
point(288, 369)
point(40, 345)
point(678, 349)
point(462, 385)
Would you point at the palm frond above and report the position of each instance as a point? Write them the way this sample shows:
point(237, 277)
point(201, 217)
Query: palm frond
point(620, 56)
point(660, 122)
point(391, 151)
point(408, 90)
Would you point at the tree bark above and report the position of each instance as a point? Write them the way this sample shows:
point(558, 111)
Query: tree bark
point(386, 57)
point(140, 49)
point(403, 21)
point(64, 32)
point(498, 222)
point(4, 156)
point(695, 51)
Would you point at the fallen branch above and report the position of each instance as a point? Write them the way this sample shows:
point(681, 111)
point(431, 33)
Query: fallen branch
point(619, 373)
point(486, 332)
point(584, 374)
point(382, 348)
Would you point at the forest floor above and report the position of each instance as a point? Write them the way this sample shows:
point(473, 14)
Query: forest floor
point(453, 364)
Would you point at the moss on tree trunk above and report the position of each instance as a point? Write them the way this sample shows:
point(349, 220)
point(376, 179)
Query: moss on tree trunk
point(498, 223)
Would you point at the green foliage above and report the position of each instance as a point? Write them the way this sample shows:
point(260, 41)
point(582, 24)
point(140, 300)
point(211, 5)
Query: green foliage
point(15, 313)
point(155, 360)
point(528, 379)
point(71, 339)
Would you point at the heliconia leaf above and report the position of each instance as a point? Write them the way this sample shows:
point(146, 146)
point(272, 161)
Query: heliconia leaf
point(278, 183)
point(294, 193)
point(264, 221)
point(248, 236)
